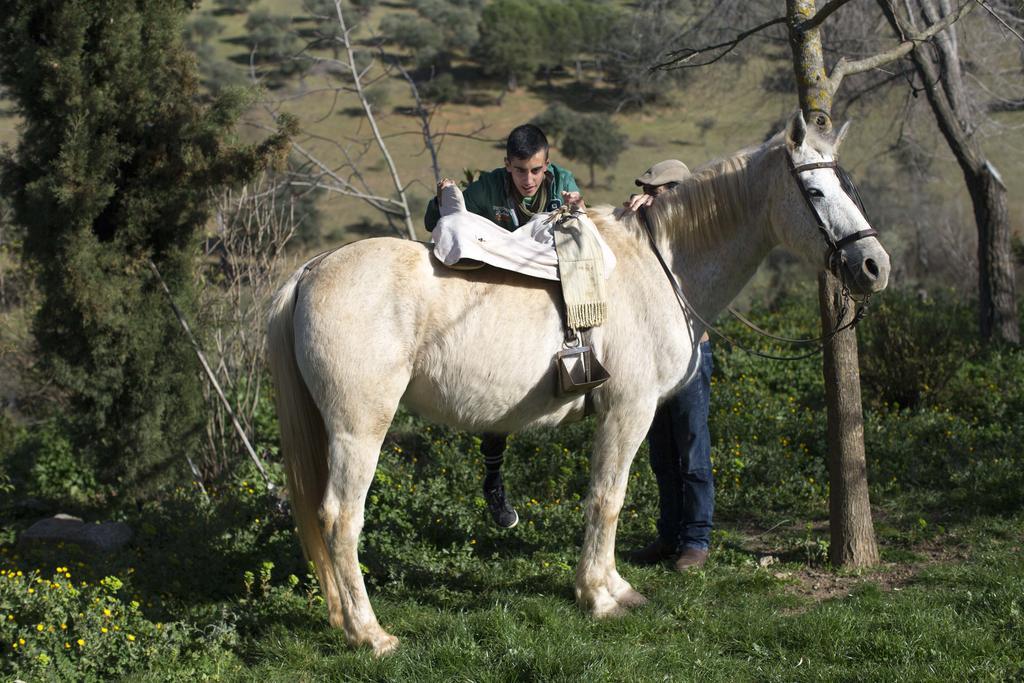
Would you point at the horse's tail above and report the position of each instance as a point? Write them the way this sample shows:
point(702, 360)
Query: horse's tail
point(303, 440)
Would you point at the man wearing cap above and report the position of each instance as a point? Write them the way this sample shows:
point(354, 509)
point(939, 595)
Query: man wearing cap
point(679, 440)
point(528, 184)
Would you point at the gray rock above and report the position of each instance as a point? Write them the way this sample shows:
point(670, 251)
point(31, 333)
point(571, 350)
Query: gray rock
point(103, 537)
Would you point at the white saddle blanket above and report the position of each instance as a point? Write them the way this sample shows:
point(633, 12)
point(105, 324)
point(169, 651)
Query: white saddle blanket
point(530, 249)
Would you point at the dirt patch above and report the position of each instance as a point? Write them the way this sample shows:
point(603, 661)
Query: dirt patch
point(779, 548)
point(820, 585)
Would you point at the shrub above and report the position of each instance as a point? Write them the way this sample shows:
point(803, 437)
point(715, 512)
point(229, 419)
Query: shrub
point(441, 89)
point(58, 628)
point(910, 348)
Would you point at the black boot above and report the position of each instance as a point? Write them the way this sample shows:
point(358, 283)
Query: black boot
point(502, 511)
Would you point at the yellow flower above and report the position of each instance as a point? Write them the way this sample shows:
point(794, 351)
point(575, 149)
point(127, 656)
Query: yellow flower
point(103, 630)
point(39, 627)
point(131, 637)
point(21, 641)
point(67, 645)
point(106, 612)
point(81, 642)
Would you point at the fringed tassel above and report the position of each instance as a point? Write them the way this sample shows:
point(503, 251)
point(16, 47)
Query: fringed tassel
point(581, 316)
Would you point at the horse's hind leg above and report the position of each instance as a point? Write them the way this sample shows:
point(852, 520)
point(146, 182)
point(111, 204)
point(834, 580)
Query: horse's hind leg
point(352, 462)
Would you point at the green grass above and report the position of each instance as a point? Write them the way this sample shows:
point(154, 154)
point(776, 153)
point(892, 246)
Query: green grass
point(947, 622)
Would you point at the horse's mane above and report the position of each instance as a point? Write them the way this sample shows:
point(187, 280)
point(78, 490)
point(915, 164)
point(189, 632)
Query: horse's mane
point(715, 199)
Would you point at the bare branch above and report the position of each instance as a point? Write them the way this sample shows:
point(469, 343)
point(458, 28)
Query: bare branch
point(998, 18)
point(820, 16)
point(424, 117)
point(845, 68)
point(680, 59)
point(403, 202)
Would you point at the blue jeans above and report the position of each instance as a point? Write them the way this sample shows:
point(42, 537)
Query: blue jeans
point(680, 446)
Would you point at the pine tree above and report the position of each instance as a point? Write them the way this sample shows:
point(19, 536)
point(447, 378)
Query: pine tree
point(115, 166)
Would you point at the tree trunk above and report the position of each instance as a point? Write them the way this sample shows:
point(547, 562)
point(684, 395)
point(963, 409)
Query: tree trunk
point(851, 527)
point(852, 542)
point(997, 299)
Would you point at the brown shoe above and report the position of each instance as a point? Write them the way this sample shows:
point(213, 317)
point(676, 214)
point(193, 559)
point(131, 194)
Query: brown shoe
point(653, 553)
point(691, 558)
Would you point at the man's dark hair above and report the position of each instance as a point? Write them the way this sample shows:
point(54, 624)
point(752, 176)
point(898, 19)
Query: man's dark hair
point(525, 141)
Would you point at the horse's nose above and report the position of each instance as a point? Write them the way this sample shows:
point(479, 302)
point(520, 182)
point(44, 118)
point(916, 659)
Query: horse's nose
point(873, 273)
point(870, 269)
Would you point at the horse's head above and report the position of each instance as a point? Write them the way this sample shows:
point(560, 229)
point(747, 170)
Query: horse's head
point(820, 215)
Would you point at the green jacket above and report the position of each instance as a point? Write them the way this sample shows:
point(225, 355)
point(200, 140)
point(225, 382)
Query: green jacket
point(493, 196)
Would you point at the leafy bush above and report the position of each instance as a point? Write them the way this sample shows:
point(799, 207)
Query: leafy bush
point(56, 627)
point(441, 89)
point(910, 348)
point(53, 470)
point(555, 121)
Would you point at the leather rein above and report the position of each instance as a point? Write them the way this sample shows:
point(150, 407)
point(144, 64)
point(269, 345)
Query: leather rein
point(834, 262)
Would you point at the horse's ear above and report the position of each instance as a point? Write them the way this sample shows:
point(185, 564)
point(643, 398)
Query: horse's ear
point(796, 130)
point(840, 136)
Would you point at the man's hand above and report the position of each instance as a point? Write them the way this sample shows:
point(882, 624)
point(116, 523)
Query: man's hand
point(637, 201)
point(573, 199)
point(445, 182)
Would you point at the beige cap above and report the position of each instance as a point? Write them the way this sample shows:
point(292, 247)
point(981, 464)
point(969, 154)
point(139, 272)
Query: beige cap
point(668, 171)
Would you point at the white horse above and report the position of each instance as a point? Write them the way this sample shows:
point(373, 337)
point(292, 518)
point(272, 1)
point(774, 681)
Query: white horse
point(381, 322)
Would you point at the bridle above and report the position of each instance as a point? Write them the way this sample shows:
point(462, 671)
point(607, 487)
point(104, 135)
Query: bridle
point(834, 259)
point(834, 262)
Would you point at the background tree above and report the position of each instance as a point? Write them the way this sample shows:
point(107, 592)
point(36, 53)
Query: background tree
point(562, 37)
point(938, 65)
point(510, 41)
point(351, 78)
point(555, 121)
point(594, 140)
point(233, 6)
point(114, 168)
point(638, 41)
point(202, 28)
point(274, 43)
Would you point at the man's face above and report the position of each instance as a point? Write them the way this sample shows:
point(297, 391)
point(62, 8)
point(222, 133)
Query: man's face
point(528, 174)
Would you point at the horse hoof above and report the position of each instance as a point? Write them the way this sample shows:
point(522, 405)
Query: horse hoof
point(384, 644)
point(605, 607)
point(630, 598)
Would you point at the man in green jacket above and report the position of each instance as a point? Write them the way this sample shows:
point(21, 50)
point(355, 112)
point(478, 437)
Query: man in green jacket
point(528, 184)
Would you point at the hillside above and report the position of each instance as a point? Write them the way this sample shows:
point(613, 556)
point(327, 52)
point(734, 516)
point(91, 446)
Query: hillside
point(716, 110)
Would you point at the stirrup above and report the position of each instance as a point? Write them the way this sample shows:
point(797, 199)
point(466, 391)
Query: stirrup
point(579, 371)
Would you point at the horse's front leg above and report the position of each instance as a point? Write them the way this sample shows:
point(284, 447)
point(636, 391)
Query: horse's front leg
point(599, 588)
